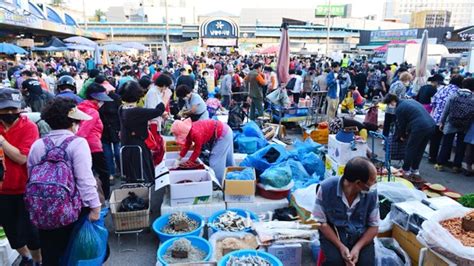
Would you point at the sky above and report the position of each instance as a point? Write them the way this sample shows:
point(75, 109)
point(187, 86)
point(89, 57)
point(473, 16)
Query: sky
point(360, 8)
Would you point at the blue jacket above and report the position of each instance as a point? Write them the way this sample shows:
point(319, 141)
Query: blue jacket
point(332, 85)
point(412, 117)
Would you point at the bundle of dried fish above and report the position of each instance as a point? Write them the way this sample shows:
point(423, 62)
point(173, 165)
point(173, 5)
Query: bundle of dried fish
point(183, 252)
point(247, 261)
point(179, 223)
point(232, 222)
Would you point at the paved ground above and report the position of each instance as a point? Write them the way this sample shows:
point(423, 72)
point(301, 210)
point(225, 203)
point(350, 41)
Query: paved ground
point(144, 252)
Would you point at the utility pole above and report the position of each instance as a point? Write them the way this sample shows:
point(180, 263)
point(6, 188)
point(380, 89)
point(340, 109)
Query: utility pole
point(167, 26)
point(329, 27)
point(84, 13)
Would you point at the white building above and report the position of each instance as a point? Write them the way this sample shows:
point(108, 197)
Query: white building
point(154, 11)
point(462, 11)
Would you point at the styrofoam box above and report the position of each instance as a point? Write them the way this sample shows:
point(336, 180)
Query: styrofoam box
point(260, 205)
point(341, 152)
point(7, 254)
point(205, 210)
point(333, 168)
point(289, 254)
point(191, 193)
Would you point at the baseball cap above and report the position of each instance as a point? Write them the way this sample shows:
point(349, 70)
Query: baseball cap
point(437, 78)
point(77, 114)
point(97, 92)
point(10, 98)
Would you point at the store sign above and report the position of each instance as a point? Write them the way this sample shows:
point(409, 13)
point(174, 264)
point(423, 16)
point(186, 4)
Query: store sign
point(333, 10)
point(219, 28)
point(219, 42)
point(389, 35)
point(463, 35)
point(18, 20)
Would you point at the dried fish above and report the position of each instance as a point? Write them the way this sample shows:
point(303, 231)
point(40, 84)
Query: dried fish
point(232, 222)
point(247, 261)
point(183, 246)
point(179, 223)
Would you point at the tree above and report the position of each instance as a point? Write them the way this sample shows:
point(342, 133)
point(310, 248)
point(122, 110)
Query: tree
point(57, 2)
point(98, 14)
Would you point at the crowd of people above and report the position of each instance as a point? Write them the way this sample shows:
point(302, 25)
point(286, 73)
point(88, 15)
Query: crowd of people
point(89, 112)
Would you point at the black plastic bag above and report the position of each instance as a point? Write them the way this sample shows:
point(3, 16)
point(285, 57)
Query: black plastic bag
point(133, 203)
point(285, 214)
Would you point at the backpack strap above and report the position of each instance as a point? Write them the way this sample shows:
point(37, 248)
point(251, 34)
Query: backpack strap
point(49, 144)
point(66, 142)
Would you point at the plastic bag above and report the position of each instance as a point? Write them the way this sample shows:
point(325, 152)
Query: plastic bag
point(397, 192)
point(276, 176)
point(308, 146)
point(220, 235)
point(247, 145)
point(434, 236)
point(251, 129)
point(302, 183)
point(313, 164)
point(133, 203)
point(258, 159)
point(305, 197)
point(88, 244)
point(246, 174)
point(386, 224)
point(279, 97)
point(389, 253)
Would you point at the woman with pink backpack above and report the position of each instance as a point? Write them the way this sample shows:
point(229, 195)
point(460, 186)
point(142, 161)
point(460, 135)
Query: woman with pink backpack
point(61, 186)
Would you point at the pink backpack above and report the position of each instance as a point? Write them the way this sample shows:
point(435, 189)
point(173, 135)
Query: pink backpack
point(51, 196)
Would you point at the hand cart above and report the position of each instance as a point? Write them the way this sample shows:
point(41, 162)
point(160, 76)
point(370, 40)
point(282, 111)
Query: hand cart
point(386, 162)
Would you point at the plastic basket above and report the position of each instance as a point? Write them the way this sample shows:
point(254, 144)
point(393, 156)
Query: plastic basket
point(159, 223)
point(240, 212)
point(128, 221)
point(197, 242)
point(274, 261)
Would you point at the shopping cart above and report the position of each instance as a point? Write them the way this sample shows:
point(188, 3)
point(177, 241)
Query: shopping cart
point(374, 157)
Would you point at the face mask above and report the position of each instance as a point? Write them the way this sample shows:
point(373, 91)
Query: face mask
point(372, 189)
point(406, 84)
point(75, 128)
point(9, 118)
point(394, 105)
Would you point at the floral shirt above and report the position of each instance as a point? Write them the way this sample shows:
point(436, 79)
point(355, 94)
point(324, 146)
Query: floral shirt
point(439, 100)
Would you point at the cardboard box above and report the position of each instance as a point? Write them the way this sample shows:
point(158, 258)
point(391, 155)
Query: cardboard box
point(408, 242)
point(239, 190)
point(342, 152)
point(198, 191)
point(333, 168)
point(289, 254)
point(428, 257)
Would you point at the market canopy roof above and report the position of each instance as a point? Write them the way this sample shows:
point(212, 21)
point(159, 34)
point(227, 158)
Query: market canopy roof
point(134, 45)
point(80, 40)
point(54, 44)
point(8, 48)
point(111, 47)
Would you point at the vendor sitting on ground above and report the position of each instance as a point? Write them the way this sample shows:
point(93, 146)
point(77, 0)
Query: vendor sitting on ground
point(359, 101)
point(214, 105)
point(348, 210)
point(213, 132)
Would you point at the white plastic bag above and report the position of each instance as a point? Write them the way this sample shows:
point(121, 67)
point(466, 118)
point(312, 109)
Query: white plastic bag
point(306, 197)
point(385, 254)
point(279, 97)
point(386, 224)
point(397, 192)
point(434, 236)
point(220, 235)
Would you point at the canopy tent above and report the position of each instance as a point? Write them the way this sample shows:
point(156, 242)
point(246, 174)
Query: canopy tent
point(270, 50)
point(79, 47)
point(54, 44)
point(111, 47)
point(81, 41)
point(8, 48)
point(135, 45)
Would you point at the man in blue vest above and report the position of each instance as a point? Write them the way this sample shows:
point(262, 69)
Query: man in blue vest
point(348, 210)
